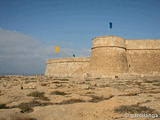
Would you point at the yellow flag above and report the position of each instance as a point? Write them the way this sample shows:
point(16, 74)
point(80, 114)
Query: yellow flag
point(57, 49)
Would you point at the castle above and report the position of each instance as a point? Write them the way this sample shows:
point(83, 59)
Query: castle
point(111, 55)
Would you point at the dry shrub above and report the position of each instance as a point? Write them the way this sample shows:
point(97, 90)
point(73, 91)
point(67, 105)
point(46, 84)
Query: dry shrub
point(129, 94)
point(44, 84)
point(44, 98)
point(21, 117)
point(156, 84)
point(58, 93)
point(62, 79)
point(17, 117)
point(103, 86)
point(96, 99)
point(3, 106)
point(36, 94)
point(71, 101)
point(27, 107)
point(153, 92)
point(89, 92)
point(151, 81)
point(134, 109)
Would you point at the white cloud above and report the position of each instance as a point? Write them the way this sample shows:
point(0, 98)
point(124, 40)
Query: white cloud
point(21, 54)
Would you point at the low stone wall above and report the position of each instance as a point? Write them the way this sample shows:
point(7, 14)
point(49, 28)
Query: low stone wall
point(66, 67)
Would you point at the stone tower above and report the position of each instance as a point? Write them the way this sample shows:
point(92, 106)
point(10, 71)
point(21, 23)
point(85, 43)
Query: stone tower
point(108, 56)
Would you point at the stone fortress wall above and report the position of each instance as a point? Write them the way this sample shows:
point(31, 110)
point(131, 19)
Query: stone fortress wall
point(111, 55)
point(108, 56)
point(143, 56)
point(66, 67)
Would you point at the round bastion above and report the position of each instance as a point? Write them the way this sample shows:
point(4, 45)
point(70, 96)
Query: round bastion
point(108, 56)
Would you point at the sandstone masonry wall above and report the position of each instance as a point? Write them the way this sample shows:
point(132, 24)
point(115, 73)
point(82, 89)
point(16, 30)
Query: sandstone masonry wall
point(108, 56)
point(65, 67)
point(111, 55)
point(143, 56)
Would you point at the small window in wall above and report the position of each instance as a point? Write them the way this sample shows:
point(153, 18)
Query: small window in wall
point(129, 65)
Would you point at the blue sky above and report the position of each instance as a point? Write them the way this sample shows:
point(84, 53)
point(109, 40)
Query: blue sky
point(70, 24)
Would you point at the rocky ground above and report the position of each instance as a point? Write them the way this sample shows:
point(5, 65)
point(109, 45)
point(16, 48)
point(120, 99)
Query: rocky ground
point(50, 98)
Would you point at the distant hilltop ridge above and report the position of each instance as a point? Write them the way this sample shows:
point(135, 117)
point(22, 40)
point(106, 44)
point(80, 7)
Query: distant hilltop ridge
point(110, 55)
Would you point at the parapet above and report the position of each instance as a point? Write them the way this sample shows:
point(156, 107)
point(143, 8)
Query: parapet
point(142, 44)
point(108, 41)
point(64, 60)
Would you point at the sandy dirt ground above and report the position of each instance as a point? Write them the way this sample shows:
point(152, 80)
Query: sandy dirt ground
point(50, 98)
